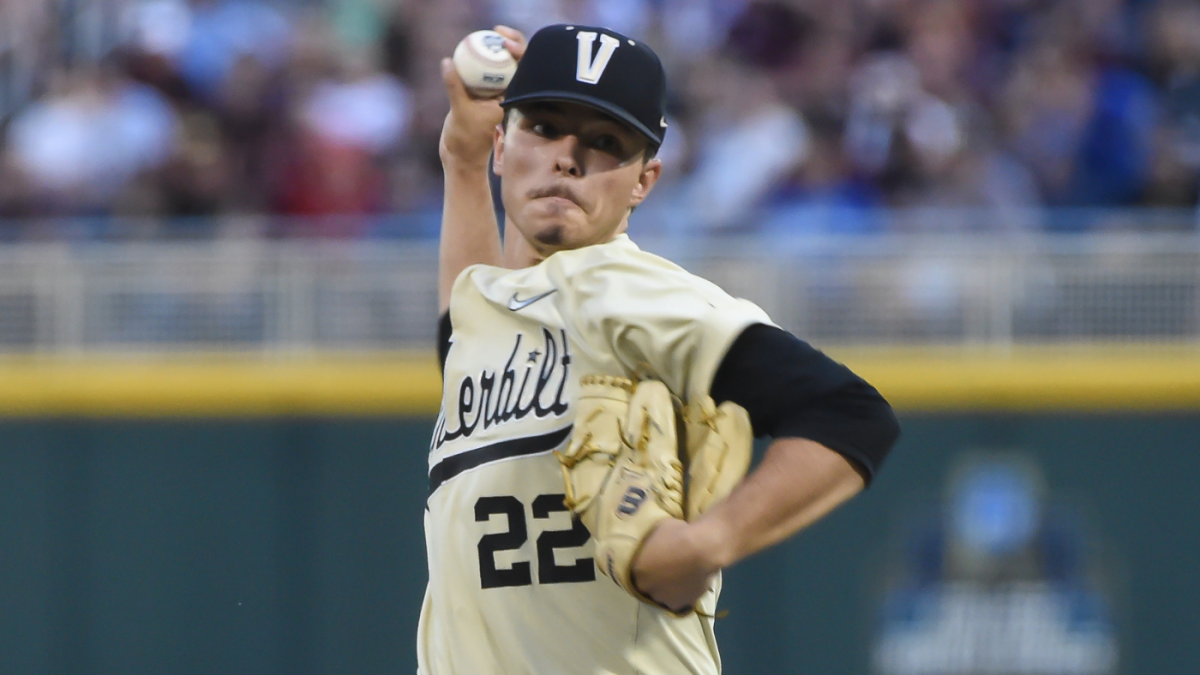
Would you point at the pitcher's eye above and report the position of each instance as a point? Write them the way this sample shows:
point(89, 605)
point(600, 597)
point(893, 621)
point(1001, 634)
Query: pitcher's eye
point(607, 143)
point(544, 129)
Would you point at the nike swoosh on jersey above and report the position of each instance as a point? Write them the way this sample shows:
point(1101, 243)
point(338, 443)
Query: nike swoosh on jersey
point(516, 305)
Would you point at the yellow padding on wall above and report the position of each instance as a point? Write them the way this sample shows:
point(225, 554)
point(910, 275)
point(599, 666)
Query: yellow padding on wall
point(1031, 379)
point(950, 379)
point(221, 386)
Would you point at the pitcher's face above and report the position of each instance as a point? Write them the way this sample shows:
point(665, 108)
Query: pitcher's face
point(569, 174)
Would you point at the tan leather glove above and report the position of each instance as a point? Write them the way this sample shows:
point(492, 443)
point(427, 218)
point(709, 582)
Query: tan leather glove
point(720, 442)
point(623, 472)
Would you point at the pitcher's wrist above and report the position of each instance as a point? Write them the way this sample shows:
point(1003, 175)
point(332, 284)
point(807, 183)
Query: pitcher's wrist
point(465, 167)
point(717, 542)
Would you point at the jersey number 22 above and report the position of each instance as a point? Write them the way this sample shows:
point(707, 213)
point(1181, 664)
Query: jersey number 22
point(520, 573)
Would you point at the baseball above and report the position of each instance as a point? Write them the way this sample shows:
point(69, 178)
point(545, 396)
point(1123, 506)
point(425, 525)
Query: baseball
point(483, 63)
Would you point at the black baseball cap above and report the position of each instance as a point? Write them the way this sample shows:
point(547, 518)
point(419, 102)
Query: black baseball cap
point(596, 67)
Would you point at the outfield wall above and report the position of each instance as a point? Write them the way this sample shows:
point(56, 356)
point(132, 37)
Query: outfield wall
point(227, 519)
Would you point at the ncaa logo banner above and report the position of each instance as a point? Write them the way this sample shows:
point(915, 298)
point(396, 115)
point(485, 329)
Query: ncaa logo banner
point(587, 69)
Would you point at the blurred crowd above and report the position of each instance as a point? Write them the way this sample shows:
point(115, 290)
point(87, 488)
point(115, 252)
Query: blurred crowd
point(788, 116)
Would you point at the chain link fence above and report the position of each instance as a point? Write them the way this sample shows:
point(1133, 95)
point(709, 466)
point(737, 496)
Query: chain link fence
point(279, 297)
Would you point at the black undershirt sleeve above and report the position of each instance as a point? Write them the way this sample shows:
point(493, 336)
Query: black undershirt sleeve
point(443, 339)
point(792, 390)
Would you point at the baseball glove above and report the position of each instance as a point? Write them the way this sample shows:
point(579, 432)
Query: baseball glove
point(624, 468)
point(720, 442)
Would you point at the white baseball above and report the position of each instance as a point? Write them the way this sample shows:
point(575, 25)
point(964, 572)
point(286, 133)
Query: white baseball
point(483, 63)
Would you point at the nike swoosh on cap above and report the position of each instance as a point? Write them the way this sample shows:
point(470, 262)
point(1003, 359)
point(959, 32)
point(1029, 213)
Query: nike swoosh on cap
point(516, 305)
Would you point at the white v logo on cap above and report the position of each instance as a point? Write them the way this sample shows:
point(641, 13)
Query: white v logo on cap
point(587, 69)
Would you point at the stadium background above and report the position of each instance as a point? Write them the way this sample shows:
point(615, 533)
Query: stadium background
point(217, 298)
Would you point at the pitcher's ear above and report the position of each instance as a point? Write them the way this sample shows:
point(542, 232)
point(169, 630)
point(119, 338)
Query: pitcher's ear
point(646, 180)
point(498, 149)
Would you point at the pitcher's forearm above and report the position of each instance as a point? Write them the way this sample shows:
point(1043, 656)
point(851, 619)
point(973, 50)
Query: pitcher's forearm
point(469, 234)
point(797, 483)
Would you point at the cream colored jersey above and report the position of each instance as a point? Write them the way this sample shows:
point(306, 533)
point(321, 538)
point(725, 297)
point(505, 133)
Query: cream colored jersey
point(512, 585)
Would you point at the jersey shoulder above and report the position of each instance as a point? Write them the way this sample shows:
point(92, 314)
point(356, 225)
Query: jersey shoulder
point(621, 271)
point(618, 272)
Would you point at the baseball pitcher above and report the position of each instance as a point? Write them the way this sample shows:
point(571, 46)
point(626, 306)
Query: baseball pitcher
point(587, 474)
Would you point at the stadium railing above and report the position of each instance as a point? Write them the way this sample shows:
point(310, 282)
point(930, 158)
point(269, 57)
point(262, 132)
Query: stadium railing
point(952, 313)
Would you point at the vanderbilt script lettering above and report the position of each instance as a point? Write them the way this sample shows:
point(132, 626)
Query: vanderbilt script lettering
point(493, 397)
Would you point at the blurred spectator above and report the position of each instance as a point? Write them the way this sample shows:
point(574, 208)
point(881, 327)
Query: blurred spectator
point(747, 143)
point(15, 195)
point(824, 195)
point(956, 168)
point(245, 121)
point(1082, 121)
point(1174, 32)
point(786, 116)
point(364, 108)
point(346, 126)
point(196, 179)
point(747, 140)
point(161, 27)
point(939, 42)
point(95, 131)
point(222, 31)
point(881, 91)
point(325, 178)
point(692, 29)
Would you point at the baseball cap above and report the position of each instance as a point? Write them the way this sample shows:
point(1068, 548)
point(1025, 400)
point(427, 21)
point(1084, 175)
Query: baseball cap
point(596, 67)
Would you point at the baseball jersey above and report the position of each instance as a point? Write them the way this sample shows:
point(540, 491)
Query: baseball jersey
point(512, 585)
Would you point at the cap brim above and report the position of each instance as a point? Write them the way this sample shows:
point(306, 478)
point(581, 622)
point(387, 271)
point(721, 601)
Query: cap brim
point(590, 101)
